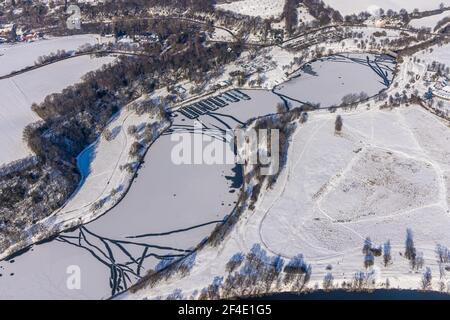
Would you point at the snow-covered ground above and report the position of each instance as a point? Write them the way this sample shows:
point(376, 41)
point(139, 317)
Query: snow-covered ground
point(386, 172)
point(14, 57)
point(429, 22)
point(262, 8)
point(20, 92)
point(172, 200)
point(220, 35)
point(439, 54)
point(374, 143)
point(169, 208)
point(347, 7)
point(303, 15)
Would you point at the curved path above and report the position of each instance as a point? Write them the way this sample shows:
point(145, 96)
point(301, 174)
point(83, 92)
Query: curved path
point(76, 55)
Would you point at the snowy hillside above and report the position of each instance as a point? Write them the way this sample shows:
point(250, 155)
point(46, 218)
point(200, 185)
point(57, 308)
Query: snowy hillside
point(262, 8)
point(349, 7)
point(20, 92)
point(14, 57)
point(429, 22)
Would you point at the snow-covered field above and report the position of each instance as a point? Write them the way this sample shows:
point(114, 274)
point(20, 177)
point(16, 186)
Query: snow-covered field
point(20, 92)
point(220, 35)
point(440, 54)
point(349, 7)
point(429, 22)
point(386, 168)
point(303, 15)
point(14, 57)
point(262, 8)
point(386, 172)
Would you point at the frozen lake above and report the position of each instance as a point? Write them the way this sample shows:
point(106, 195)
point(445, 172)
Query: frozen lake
point(168, 210)
point(327, 80)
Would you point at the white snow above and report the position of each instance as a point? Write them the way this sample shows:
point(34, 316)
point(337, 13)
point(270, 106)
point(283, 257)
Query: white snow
point(429, 22)
point(220, 35)
point(303, 15)
point(335, 191)
point(262, 8)
point(14, 57)
point(20, 92)
point(439, 54)
point(381, 159)
point(347, 7)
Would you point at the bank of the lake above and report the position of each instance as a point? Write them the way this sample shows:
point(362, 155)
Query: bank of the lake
point(378, 294)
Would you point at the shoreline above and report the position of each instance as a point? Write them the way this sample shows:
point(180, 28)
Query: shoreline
point(343, 294)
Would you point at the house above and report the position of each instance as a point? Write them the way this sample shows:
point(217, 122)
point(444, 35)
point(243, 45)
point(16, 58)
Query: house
point(7, 30)
point(29, 37)
point(147, 37)
point(180, 90)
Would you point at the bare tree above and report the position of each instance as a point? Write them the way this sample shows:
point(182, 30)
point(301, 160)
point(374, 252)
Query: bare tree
point(132, 130)
point(410, 250)
point(281, 107)
point(290, 15)
point(442, 286)
point(107, 134)
point(387, 258)
point(115, 191)
point(328, 282)
point(367, 245)
point(426, 279)
point(135, 149)
point(359, 280)
point(234, 262)
point(419, 261)
point(304, 117)
point(338, 124)
point(369, 260)
point(442, 253)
